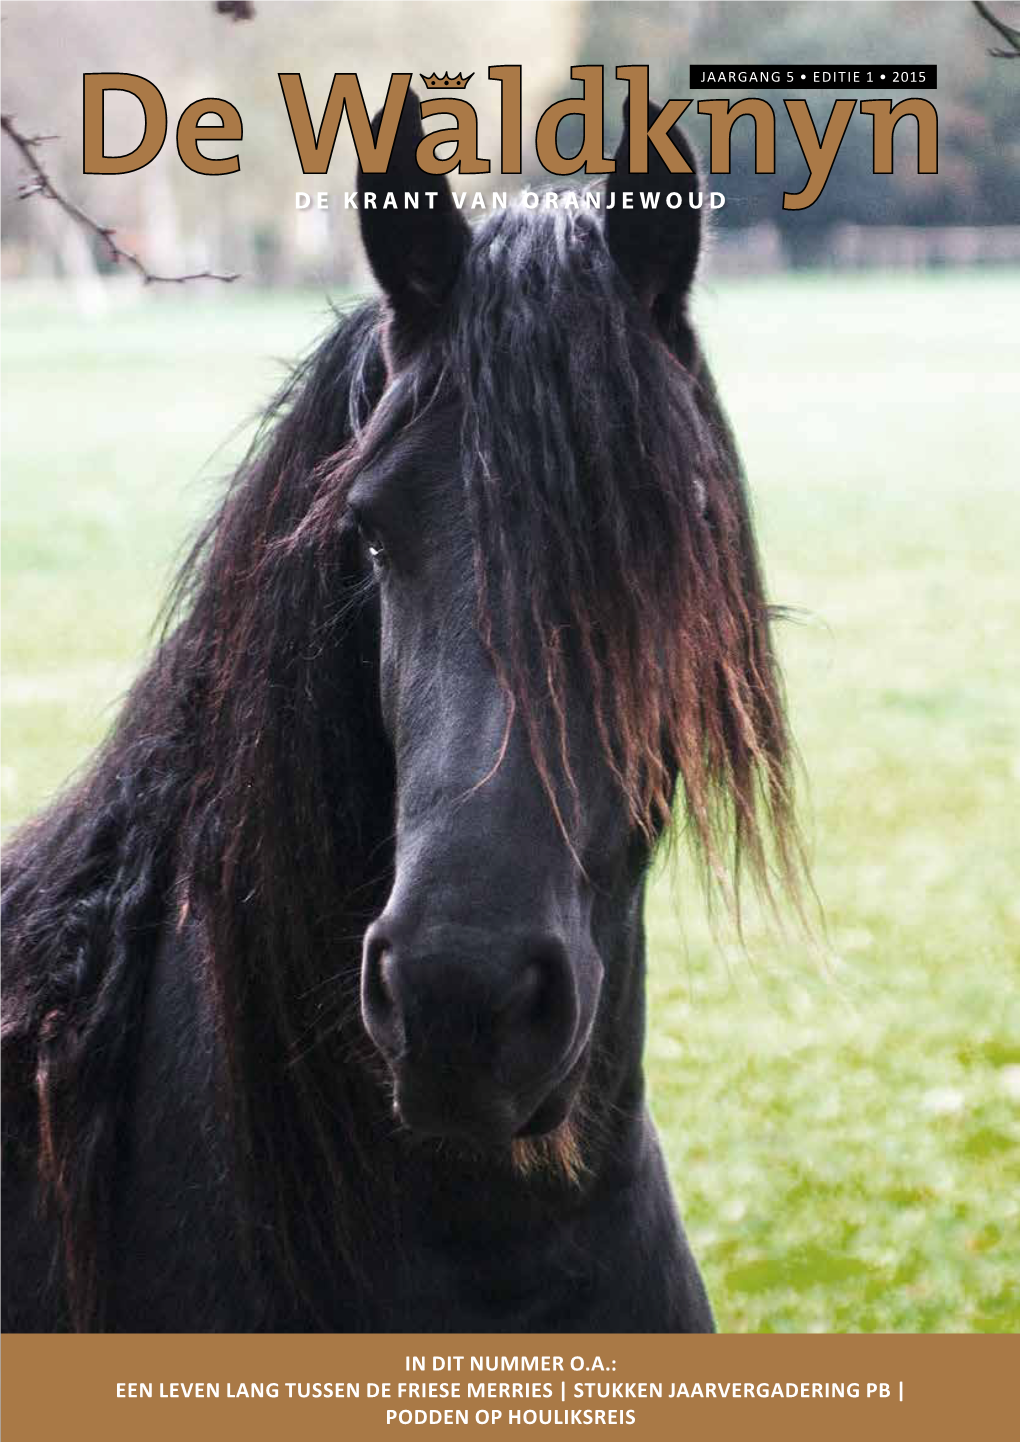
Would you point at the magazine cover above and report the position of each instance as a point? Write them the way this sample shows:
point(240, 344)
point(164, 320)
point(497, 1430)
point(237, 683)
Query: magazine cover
point(511, 715)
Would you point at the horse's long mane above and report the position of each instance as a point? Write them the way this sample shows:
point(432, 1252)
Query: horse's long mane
point(232, 796)
point(245, 794)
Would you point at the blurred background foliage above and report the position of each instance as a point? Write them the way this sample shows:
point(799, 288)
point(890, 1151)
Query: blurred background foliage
point(976, 100)
point(247, 221)
point(843, 1128)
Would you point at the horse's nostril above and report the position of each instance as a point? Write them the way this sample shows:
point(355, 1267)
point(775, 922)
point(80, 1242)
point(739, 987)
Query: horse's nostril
point(555, 1005)
point(525, 997)
point(380, 997)
point(378, 1004)
point(541, 997)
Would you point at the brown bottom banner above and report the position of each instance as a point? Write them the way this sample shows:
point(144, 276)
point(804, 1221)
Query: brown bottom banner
point(312, 1387)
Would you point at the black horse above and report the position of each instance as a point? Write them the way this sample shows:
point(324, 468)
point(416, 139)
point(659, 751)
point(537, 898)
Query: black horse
point(324, 993)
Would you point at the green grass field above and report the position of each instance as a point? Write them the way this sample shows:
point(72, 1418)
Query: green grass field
point(843, 1129)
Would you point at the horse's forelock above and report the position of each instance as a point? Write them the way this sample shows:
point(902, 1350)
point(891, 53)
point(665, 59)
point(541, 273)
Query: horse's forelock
point(612, 530)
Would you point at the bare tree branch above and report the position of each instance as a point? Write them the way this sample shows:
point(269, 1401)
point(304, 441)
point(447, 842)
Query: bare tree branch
point(237, 9)
point(1011, 36)
point(40, 183)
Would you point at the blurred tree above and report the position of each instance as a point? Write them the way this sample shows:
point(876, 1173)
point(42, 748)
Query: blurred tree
point(979, 141)
point(247, 222)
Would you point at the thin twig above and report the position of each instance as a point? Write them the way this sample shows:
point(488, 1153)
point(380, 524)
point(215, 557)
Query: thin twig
point(1011, 36)
point(41, 184)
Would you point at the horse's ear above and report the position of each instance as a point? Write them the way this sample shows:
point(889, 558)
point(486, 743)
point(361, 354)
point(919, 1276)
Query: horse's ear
point(414, 253)
point(656, 249)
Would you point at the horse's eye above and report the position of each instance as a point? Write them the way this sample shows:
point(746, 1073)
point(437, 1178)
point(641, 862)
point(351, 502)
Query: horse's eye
point(370, 540)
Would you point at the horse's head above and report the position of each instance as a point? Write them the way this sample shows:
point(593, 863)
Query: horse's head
point(569, 619)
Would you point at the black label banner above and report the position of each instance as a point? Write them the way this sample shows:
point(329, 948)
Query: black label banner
point(814, 77)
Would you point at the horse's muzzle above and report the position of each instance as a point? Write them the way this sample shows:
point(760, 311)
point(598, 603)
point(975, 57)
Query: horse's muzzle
point(479, 1030)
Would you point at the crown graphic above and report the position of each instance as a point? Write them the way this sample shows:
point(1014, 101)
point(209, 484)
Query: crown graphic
point(446, 82)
